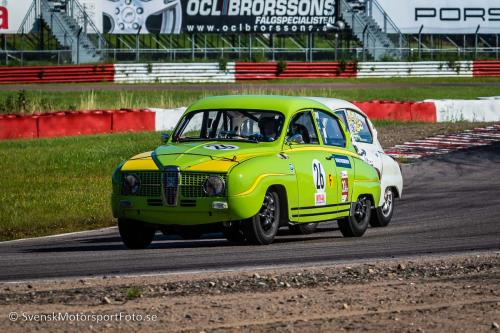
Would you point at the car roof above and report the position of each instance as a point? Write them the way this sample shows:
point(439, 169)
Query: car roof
point(284, 104)
point(335, 103)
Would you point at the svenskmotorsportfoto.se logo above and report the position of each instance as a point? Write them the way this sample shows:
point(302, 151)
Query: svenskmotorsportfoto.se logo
point(83, 317)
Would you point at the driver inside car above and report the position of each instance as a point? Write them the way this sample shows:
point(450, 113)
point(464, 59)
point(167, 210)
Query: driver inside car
point(268, 128)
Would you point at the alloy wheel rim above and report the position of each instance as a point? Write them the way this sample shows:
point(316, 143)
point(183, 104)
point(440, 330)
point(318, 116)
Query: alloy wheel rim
point(388, 201)
point(360, 210)
point(267, 214)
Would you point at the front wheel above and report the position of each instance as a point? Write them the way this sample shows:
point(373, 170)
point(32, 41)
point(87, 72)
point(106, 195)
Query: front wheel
point(356, 224)
point(262, 228)
point(135, 234)
point(381, 216)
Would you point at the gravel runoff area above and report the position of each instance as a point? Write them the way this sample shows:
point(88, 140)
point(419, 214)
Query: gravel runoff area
point(459, 293)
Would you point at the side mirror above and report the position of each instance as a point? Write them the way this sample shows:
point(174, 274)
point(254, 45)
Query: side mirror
point(296, 139)
point(165, 137)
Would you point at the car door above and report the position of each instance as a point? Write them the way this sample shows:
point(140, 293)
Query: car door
point(363, 137)
point(313, 168)
point(340, 165)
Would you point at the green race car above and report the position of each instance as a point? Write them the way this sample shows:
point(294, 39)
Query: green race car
point(246, 166)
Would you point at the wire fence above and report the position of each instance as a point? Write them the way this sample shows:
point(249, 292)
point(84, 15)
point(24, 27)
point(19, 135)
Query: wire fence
point(60, 57)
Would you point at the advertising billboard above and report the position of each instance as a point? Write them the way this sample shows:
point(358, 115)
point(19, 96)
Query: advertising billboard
point(187, 16)
point(443, 16)
point(12, 13)
point(218, 16)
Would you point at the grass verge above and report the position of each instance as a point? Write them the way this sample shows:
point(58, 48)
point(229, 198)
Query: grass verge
point(156, 96)
point(52, 186)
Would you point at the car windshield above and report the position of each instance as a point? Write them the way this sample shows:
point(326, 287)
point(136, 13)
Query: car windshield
point(230, 125)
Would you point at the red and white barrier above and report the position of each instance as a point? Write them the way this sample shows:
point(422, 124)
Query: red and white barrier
point(105, 121)
point(243, 71)
point(467, 110)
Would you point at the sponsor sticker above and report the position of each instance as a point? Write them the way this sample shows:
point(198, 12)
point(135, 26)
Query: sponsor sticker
point(342, 161)
point(330, 180)
point(320, 199)
point(291, 167)
point(221, 147)
point(344, 178)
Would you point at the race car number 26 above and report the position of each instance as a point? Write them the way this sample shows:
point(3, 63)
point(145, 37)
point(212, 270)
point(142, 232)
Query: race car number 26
point(318, 175)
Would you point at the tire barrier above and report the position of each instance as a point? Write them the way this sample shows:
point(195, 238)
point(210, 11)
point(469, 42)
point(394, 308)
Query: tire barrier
point(174, 73)
point(486, 68)
point(18, 127)
point(59, 124)
point(399, 111)
point(467, 110)
point(243, 71)
point(57, 74)
point(415, 69)
point(127, 120)
point(272, 71)
point(131, 120)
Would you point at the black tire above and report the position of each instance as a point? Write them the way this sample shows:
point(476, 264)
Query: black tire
point(262, 228)
point(135, 235)
point(303, 228)
point(381, 216)
point(233, 233)
point(356, 224)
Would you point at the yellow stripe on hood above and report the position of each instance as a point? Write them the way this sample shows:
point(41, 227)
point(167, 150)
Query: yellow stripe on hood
point(140, 162)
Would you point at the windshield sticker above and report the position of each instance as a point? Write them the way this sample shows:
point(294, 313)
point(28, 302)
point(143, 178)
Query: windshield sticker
point(221, 147)
point(319, 178)
point(342, 161)
point(355, 125)
point(345, 185)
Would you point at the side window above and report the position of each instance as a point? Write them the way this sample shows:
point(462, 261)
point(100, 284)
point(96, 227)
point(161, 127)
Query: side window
point(303, 124)
point(358, 127)
point(341, 115)
point(330, 129)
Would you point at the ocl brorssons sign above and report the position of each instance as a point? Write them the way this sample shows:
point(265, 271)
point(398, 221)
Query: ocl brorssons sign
point(263, 16)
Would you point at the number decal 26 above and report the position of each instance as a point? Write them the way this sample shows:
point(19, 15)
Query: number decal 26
point(318, 175)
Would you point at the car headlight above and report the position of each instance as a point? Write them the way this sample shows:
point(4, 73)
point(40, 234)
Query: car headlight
point(131, 184)
point(214, 185)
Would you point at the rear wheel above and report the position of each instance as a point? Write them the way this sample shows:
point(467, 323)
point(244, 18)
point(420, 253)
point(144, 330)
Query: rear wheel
point(381, 216)
point(262, 228)
point(356, 224)
point(135, 234)
point(303, 229)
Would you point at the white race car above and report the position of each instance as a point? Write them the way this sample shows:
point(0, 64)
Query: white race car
point(365, 140)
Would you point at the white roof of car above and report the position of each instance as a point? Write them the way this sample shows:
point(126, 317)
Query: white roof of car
point(335, 103)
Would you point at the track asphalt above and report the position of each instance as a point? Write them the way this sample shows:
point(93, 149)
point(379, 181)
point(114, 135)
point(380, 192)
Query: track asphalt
point(450, 205)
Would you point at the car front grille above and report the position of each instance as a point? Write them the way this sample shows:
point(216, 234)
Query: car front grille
point(170, 183)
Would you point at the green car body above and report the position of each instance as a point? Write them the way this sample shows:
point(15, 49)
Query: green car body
point(315, 182)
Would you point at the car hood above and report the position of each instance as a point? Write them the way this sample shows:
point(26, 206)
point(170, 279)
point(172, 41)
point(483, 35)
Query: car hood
point(204, 156)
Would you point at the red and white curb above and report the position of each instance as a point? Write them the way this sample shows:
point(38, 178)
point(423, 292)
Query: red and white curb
point(446, 143)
